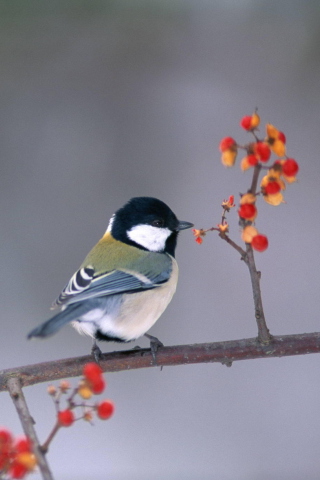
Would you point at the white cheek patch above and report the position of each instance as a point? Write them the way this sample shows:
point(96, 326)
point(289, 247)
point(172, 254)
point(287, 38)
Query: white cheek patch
point(152, 238)
point(110, 223)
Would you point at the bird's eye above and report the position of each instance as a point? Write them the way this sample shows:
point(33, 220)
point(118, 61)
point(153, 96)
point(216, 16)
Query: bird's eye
point(157, 223)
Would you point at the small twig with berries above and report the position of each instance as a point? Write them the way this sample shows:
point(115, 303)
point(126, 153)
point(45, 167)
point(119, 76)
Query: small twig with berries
point(20, 457)
point(91, 384)
point(283, 170)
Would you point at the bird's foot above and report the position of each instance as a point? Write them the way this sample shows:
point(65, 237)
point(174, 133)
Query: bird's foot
point(155, 344)
point(96, 352)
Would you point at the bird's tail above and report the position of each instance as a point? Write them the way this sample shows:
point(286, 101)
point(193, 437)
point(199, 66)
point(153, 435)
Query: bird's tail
point(51, 326)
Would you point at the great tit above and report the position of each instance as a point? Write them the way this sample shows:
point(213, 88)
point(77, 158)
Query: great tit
point(126, 281)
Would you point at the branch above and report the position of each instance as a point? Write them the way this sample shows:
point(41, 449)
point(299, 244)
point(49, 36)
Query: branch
point(220, 352)
point(263, 331)
point(15, 390)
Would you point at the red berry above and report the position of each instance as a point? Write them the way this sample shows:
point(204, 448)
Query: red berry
point(247, 210)
point(227, 143)
point(252, 160)
point(246, 122)
point(105, 409)
point(263, 151)
point(272, 187)
point(98, 385)
point(65, 418)
point(282, 137)
point(260, 243)
point(5, 439)
point(290, 167)
point(92, 371)
point(17, 470)
point(23, 445)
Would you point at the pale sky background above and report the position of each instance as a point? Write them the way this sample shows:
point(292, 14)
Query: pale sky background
point(105, 100)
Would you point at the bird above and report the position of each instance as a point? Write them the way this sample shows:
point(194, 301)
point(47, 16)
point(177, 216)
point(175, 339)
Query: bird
point(126, 281)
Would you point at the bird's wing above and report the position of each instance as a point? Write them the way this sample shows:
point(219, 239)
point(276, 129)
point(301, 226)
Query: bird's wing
point(83, 285)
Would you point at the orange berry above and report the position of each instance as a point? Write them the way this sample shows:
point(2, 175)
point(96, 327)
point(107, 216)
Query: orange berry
point(275, 199)
point(279, 148)
point(105, 409)
point(247, 198)
point(85, 391)
point(27, 459)
point(244, 165)
point(260, 243)
point(228, 157)
point(66, 418)
point(248, 233)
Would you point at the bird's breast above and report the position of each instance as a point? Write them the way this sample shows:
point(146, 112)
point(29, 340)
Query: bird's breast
point(138, 312)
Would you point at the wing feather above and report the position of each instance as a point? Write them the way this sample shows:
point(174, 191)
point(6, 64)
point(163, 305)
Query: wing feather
point(83, 285)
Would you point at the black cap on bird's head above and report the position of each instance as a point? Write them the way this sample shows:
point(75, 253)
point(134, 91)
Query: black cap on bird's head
point(147, 223)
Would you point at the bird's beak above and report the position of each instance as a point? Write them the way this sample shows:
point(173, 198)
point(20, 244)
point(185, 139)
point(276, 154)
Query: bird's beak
point(183, 225)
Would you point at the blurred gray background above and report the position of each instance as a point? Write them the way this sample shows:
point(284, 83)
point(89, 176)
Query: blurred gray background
point(105, 100)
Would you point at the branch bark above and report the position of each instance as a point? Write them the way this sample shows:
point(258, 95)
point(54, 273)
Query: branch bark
point(219, 352)
point(16, 393)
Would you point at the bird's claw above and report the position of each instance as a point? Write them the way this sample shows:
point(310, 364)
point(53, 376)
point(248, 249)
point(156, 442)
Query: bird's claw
point(155, 344)
point(96, 352)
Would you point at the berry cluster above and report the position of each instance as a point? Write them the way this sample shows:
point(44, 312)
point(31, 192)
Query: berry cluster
point(16, 456)
point(91, 384)
point(282, 171)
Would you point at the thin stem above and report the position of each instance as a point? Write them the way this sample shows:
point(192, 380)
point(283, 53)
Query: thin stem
point(45, 446)
point(233, 244)
point(263, 331)
point(16, 393)
point(255, 178)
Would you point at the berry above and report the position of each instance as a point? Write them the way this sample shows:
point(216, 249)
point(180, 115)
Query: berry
point(105, 409)
point(260, 243)
point(247, 211)
point(290, 167)
point(245, 122)
point(5, 437)
point(85, 390)
point(65, 418)
point(17, 470)
point(282, 137)
point(228, 157)
point(248, 233)
point(98, 385)
point(262, 150)
point(252, 160)
point(227, 143)
point(250, 122)
point(272, 187)
point(92, 371)
point(23, 445)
